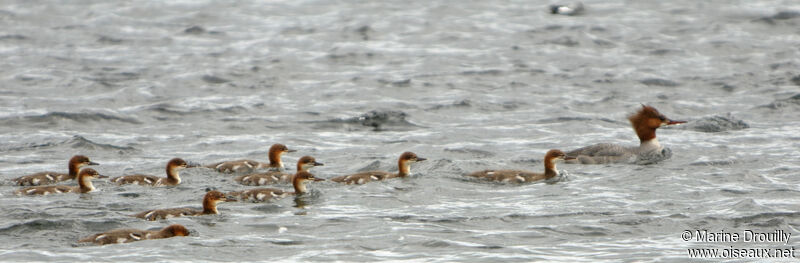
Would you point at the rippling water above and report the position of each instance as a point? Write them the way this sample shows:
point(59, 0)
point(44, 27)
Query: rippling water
point(468, 85)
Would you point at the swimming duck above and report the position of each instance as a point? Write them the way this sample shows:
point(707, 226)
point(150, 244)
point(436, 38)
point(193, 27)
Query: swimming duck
point(404, 168)
point(174, 167)
point(42, 178)
point(210, 201)
point(126, 235)
point(520, 176)
point(84, 185)
point(644, 122)
point(265, 194)
point(273, 177)
point(249, 166)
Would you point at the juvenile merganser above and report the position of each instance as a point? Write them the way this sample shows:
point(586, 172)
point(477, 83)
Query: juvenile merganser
point(266, 194)
point(84, 185)
point(249, 166)
point(126, 235)
point(210, 201)
point(519, 176)
point(174, 167)
point(403, 164)
point(644, 122)
point(42, 178)
point(273, 177)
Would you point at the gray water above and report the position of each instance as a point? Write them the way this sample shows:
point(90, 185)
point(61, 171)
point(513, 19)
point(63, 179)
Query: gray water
point(467, 84)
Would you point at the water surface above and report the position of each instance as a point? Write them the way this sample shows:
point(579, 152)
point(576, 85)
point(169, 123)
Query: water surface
point(468, 85)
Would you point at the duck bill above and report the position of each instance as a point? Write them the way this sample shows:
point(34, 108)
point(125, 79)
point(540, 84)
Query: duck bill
point(102, 176)
point(674, 122)
point(92, 163)
point(318, 179)
point(570, 158)
point(318, 164)
point(290, 150)
point(421, 159)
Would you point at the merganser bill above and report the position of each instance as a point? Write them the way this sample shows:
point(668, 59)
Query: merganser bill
point(249, 166)
point(274, 177)
point(210, 201)
point(644, 122)
point(84, 185)
point(174, 167)
point(520, 176)
point(404, 169)
point(43, 178)
point(266, 194)
point(126, 235)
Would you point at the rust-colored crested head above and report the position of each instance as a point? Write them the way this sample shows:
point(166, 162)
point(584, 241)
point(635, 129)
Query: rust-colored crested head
point(307, 162)
point(275, 154)
point(647, 116)
point(404, 163)
point(300, 179)
point(550, 159)
point(279, 149)
point(217, 196)
point(176, 162)
point(76, 162)
point(85, 179)
point(554, 154)
point(647, 120)
point(211, 199)
point(410, 157)
point(176, 230)
point(81, 160)
point(90, 173)
point(301, 176)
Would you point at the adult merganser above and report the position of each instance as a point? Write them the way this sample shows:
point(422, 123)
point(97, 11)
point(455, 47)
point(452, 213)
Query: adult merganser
point(266, 194)
point(519, 176)
point(404, 167)
point(174, 167)
point(210, 201)
point(126, 235)
point(42, 178)
point(644, 122)
point(273, 177)
point(84, 185)
point(249, 166)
